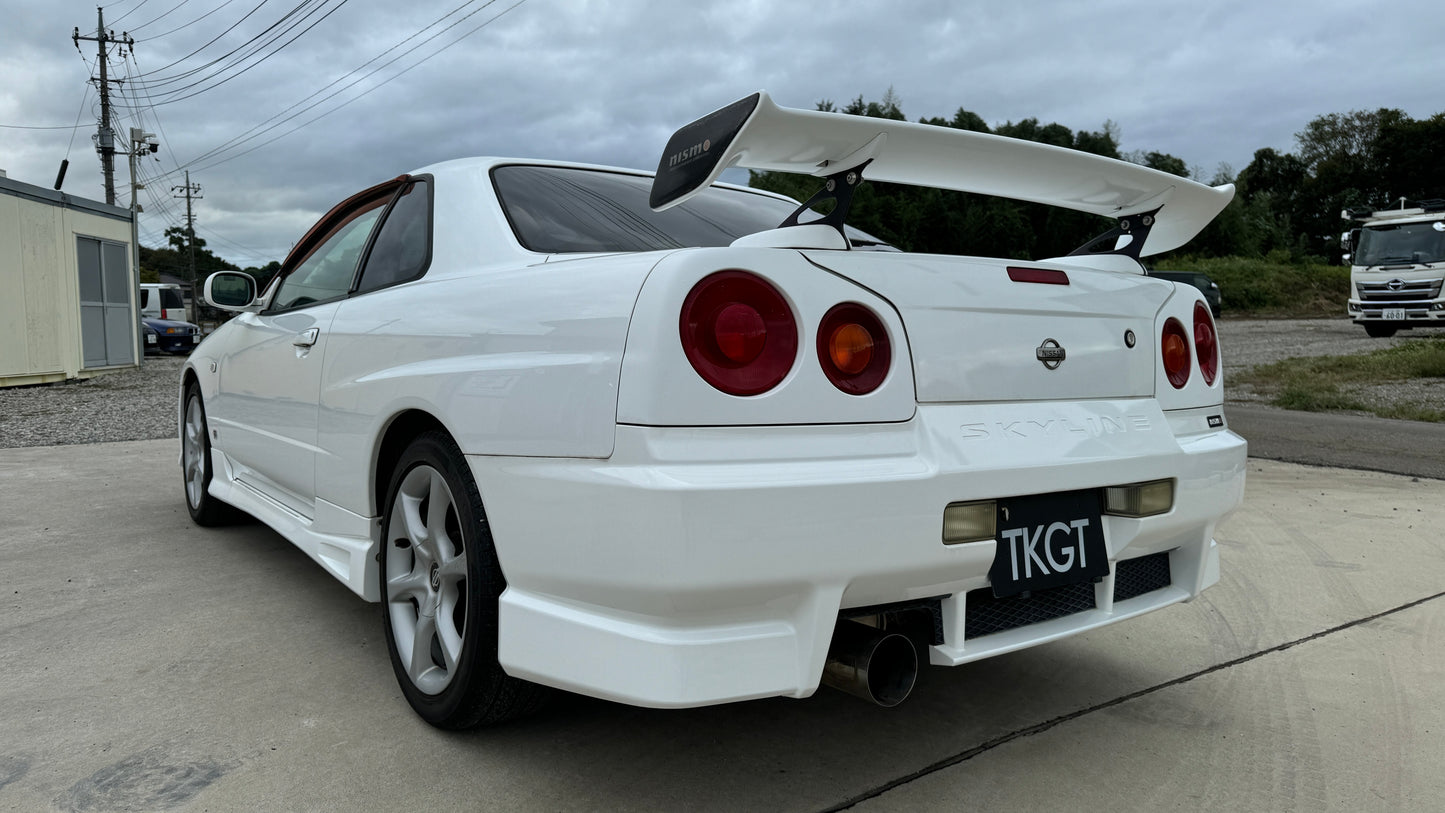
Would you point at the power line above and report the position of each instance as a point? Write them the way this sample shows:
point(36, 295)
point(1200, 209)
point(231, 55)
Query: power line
point(175, 93)
point(247, 134)
point(378, 86)
point(193, 22)
point(164, 14)
point(128, 13)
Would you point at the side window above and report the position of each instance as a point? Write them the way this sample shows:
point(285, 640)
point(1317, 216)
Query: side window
point(403, 245)
point(326, 273)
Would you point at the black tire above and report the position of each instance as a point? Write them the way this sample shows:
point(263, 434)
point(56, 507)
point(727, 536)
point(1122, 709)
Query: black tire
point(196, 472)
point(1379, 330)
point(428, 598)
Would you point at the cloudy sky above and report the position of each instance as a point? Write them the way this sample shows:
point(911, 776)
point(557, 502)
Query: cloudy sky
point(236, 91)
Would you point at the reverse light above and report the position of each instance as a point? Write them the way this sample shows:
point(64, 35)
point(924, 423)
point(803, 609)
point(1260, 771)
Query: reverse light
point(853, 348)
point(1174, 346)
point(1206, 343)
point(738, 332)
point(1140, 499)
point(970, 522)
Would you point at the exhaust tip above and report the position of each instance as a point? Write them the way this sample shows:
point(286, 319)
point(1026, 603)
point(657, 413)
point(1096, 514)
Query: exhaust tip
point(880, 667)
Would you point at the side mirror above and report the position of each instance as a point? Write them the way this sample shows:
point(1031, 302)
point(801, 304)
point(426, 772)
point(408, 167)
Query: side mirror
point(231, 291)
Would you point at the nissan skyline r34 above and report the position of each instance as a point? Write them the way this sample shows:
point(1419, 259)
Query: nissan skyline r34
point(673, 442)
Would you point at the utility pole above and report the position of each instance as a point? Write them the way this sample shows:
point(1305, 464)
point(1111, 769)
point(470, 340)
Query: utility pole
point(104, 136)
point(141, 143)
point(191, 192)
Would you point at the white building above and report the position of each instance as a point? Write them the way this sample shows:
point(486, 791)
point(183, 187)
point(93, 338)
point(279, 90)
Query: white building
point(67, 286)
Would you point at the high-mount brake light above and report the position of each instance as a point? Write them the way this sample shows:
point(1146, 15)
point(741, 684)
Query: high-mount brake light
point(1174, 346)
point(1206, 343)
point(853, 348)
point(1047, 276)
point(738, 332)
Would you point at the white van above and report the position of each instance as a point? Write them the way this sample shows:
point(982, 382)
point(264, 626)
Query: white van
point(161, 300)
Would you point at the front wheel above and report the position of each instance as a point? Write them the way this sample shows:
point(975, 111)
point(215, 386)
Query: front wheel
point(1379, 330)
point(196, 466)
point(440, 582)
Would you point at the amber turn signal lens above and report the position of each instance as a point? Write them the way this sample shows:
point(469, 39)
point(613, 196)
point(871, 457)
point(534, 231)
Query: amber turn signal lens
point(1174, 347)
point(851, 347)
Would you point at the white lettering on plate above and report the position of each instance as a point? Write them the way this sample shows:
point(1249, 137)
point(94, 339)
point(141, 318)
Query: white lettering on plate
point(1028, 553)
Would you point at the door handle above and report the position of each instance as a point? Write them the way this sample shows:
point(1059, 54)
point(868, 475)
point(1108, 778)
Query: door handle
point(307, 338)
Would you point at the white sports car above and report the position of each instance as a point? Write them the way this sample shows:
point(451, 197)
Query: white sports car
point(624, 434)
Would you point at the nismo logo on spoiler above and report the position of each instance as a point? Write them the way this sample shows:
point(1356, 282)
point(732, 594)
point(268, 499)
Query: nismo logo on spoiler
point(689, 153)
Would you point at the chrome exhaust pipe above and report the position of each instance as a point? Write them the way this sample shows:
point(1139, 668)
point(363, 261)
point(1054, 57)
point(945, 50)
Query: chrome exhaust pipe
point(870, 663)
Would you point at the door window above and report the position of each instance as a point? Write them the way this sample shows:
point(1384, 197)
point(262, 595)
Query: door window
point(326, 272)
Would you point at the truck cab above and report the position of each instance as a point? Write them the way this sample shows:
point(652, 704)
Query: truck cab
point(1397, 267)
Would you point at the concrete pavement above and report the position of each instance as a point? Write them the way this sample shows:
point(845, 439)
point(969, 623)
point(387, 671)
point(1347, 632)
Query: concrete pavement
point(148, 664)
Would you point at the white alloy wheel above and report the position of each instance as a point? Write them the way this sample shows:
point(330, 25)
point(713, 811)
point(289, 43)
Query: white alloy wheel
point(193, 452)
point(426, 579)
point(440, 583)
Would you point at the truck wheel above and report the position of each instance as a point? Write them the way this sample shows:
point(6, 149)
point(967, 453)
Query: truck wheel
point(1379, 330)
point(440, 581)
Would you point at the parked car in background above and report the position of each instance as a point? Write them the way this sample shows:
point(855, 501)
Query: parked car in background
point(674, 443)
point(1199, 280)
point(169, 335)
point(162, 300)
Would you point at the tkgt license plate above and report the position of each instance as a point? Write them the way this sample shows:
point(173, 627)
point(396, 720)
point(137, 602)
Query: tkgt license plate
point(1048, 540)
point(1394, 314)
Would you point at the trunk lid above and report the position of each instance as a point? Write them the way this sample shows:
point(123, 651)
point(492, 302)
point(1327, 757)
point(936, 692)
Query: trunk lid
point(974, 334)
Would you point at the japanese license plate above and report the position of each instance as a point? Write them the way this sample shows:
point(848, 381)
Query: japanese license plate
point(150, 338)
point(195, 338)
point(1393, 314)
point(1048, 540)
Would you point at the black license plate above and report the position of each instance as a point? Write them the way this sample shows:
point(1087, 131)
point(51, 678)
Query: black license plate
point(1048, 540)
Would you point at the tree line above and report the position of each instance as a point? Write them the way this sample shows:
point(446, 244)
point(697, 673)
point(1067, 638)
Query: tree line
point(174, 261)
point(1287, 205)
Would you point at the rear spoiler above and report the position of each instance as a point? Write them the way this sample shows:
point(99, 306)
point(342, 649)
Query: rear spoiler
point(755, 133)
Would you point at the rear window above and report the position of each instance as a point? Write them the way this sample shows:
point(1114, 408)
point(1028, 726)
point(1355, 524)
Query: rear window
point(171, 298)
point(563, 210)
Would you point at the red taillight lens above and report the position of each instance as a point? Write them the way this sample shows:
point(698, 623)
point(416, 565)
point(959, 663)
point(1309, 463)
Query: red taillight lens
point(1174, 346)
point(738, 332)
point(1206, 344)
point(853, 348)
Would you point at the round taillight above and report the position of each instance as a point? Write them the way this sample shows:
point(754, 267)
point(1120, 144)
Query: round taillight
point(853, 348)
point(738, 332)
point(1174, 346)
point(1206, 344)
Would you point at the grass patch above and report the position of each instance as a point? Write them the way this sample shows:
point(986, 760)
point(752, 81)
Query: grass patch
point(1272, 286)
point(1324, 383)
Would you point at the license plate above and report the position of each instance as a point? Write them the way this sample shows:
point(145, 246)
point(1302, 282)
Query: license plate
point(1393, 314)
point(1048, 540)
point(150, 339)
point(195, 338)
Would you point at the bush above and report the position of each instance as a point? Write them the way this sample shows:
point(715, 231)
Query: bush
point(1272, 285)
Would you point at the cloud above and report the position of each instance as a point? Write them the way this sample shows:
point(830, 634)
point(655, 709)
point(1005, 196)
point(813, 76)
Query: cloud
point(1209, 82)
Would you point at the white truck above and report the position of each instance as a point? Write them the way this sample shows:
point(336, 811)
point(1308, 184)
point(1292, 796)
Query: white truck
point(1397, 266)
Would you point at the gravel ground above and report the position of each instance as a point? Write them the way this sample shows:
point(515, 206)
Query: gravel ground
point(1247, 343)
point(141, 404)
point(136, 404)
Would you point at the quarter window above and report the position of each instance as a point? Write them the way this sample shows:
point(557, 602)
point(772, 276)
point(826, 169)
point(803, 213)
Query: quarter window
point(402, 248)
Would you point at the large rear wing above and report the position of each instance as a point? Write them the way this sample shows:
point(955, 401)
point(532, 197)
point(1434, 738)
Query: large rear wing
point(755, 133)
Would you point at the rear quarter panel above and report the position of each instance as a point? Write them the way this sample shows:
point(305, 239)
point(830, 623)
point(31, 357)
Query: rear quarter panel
point(519, 360)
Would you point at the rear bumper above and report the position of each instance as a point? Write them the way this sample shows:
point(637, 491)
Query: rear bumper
point(706, 565)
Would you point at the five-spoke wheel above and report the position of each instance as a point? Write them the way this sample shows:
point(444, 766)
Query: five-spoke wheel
point(440, 582)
